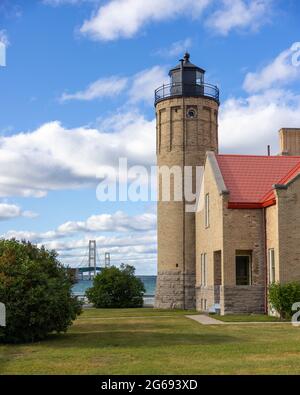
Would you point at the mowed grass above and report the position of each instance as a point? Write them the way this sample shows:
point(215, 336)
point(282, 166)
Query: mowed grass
point(246, 318)
point(147, 341)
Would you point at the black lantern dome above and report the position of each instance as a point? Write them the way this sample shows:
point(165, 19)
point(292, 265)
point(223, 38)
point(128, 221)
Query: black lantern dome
point(186, 72)
point(187, 80)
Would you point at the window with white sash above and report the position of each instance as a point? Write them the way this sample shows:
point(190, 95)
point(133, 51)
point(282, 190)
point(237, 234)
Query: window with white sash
point(203, 268)
point(271, 266)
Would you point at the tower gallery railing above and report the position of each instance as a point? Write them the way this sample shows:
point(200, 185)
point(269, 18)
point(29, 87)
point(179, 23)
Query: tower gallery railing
point(194, 90)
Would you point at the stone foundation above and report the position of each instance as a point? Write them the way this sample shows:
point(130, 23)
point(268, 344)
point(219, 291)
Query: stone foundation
point(207, 296)
point(242, 299)
point(174, 290)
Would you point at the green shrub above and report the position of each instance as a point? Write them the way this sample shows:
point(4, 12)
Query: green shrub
point(116, 288)
point(36, 290)
point(283, 296)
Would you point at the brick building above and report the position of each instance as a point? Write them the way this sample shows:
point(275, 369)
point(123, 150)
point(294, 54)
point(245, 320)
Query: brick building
point(245, 233)
point(247, 230)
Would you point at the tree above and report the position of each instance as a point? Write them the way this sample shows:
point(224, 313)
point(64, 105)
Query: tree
point(283, 296)
point(36, 291)
point(116, 287)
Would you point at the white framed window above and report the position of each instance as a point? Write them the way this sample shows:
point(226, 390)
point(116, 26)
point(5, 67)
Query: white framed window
point(203, 268)
point(272, 272)
point(207, 210)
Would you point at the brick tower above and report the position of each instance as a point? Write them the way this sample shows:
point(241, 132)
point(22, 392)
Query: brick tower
point(187, 127)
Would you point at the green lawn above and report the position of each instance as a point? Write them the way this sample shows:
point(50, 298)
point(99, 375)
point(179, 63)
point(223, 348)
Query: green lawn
point(147, 341)
point(245, 318)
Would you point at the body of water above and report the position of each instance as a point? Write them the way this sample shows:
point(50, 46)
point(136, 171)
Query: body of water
point(80, 288)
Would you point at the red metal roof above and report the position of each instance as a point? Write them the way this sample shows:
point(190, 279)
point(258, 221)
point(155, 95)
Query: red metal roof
point(250, 178)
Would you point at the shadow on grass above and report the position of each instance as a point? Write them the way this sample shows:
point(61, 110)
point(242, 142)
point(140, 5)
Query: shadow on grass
point(132, 334)
point(125, 339)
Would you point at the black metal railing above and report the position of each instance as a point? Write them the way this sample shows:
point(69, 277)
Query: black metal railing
point(179, 89)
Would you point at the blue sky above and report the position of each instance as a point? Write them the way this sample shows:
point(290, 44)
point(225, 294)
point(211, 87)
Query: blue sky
point(77, 92)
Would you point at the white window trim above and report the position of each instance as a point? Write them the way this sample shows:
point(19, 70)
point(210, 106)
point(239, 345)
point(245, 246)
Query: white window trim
point(271, 259)
point(203, 268)
point(207, 211)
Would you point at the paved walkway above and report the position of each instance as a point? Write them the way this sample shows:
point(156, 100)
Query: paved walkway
point(205, 320)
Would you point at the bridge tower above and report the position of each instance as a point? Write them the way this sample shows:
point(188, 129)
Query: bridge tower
point(107, 259)
point(92, 257)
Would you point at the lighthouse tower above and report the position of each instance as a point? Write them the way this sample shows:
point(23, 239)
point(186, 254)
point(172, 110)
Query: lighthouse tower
point(187, 127)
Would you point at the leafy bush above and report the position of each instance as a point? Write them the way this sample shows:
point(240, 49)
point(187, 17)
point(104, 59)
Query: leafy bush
point(36, 290)
point(115, 287)
point(283, 296)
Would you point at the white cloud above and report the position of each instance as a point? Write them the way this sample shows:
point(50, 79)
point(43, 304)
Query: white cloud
point(117, 222)
point(133, 239)
point(249, 125)
point(177, 48)
point(145, 83)
point(240, 14)
point(142, 87)
point(10, 211)
point(117, 19)
point(53, 240)
point(124, 18)
point(34, 237)
point(280, 71)
point(137, 249)
point(104, 87)
point(53, 157)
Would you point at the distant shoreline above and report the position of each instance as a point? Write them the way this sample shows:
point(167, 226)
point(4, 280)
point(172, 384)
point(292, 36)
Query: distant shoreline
point(149, 281)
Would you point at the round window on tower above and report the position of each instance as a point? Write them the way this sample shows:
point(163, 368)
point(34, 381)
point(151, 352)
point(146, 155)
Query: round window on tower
point(191, 113)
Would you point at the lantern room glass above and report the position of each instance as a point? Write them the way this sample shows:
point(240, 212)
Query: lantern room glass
point(199, 78)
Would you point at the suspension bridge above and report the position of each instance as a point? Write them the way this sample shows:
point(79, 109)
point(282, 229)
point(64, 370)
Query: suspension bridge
point(91, 263)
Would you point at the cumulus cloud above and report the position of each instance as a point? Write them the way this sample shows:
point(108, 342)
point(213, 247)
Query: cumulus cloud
point(240, 14)
point(248, 125)
point(104, 87)
point(124, 18)
point(117, 222)
point(137, 249)
point(10, 211)
point(145, 83)
point(132, 239)
point(117, 19)
point(142, 87)
point(53, 157)
point(52, 240)
point(280, 71)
